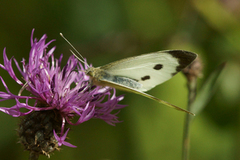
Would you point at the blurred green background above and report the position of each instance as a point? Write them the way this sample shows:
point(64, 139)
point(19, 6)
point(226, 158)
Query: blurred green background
point(107, 30)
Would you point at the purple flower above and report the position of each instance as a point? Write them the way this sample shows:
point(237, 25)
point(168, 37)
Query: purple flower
point(61, 97)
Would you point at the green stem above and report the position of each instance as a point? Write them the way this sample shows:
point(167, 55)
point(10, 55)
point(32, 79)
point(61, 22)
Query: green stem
point(186, 138)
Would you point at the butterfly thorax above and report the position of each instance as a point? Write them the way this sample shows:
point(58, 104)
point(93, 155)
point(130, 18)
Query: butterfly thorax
point(96, 75)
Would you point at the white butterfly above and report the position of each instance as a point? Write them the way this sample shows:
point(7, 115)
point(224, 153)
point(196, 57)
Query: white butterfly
point(141, 73)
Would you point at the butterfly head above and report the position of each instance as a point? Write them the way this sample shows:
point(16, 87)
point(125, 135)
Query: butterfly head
point(90, 71)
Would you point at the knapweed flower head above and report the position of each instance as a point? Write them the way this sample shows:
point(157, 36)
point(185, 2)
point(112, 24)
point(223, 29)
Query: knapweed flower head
point(60, 98)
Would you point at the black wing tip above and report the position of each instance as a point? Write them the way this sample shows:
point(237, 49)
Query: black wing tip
point(185, 58)
point(182, 53)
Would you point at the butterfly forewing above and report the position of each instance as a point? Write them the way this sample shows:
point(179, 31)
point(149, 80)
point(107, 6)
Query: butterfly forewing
point(151, 69)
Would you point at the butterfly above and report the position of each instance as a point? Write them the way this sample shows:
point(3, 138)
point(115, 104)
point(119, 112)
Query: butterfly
point(141, 73)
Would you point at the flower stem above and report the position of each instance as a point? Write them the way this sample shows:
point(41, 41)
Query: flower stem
point(186, 138)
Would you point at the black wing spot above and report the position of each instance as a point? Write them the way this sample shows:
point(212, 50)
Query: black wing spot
point(145, 78)
point(158, 67)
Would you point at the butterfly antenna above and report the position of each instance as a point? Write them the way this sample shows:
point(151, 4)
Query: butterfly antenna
point(81, 59)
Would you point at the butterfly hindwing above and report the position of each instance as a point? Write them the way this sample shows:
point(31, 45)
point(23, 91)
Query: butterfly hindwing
point(131, 86)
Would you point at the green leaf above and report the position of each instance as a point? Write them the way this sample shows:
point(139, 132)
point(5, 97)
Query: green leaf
point(207, 90)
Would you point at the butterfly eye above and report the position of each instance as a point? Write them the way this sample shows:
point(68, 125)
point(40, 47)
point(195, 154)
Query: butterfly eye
point(89, 72)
